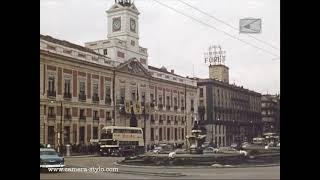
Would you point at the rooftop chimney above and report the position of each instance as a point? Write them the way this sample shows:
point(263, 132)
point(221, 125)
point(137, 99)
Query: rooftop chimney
point(172, 71)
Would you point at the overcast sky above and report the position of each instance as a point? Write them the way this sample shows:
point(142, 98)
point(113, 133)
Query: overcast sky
point(177, 42)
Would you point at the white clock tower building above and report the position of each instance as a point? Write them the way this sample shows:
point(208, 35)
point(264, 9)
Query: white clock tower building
point(123, 34)
point(122, 22)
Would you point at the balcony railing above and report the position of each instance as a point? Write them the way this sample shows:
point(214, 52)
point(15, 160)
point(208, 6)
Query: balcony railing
point(160, 106)
point(95, 98)
point(152, 121)
point(201, 109)
point(67, 95)
point(67, 117)
point(175, 122)
point(120, 101)
point(51, 116)
point(168, 122)
point(82, 97)
point(122, 110)
point(83, 118)
point(51, 93)
point(160, 122)
point(175, 108)
point(182, 108)
point(167, 107)
point(108, 100)
point(95, 118)
point(108, 118)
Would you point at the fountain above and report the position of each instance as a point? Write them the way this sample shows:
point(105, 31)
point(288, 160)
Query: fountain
point(195, 140)
point(191, 156)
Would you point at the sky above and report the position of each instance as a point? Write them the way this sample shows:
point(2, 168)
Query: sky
point(178, 42)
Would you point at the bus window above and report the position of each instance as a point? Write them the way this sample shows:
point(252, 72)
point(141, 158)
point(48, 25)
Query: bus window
point(106, 134)
point(108, 142)
point(128, 143)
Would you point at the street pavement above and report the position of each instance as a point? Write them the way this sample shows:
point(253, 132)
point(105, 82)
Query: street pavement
point(128, 172)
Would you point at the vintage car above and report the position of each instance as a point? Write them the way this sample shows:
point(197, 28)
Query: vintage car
point(49, 158)
point(163, 149)
point(230, 150)
point(210, 150)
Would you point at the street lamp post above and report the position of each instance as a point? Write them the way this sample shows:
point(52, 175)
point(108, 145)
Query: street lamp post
point(252, 131)
point(60, 129)
point(212, 132)
point(144, 123)
point(233, 131)
point(219, 131)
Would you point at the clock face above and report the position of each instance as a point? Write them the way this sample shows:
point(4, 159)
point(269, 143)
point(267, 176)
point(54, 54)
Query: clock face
point(132, 25)
point(116, 24)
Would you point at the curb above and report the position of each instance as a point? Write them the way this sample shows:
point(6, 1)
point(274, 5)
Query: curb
point(81, 156)
point(163, 174)
point(193, 167)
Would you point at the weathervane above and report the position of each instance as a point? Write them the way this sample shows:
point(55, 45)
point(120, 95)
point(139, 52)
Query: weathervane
point(215, 55)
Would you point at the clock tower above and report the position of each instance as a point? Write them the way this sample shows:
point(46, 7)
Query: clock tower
point(123, 22)
point(122, 41)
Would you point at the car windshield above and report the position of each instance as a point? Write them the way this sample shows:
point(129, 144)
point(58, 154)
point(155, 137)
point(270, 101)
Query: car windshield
point(48, 153)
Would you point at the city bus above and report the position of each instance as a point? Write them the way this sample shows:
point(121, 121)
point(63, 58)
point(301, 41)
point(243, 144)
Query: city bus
point(121, 141)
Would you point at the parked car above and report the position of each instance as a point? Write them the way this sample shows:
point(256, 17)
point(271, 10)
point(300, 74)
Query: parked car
point(180, 151)
point(235, 146)
point(210, 150)
point(163, 149)
point(230, 150)
point(245, 144)
point(156, 149)
point(205, 144)
point(227, 150)
point(49, 158)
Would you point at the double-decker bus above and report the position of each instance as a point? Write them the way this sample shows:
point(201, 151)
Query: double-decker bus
point(121, 141)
